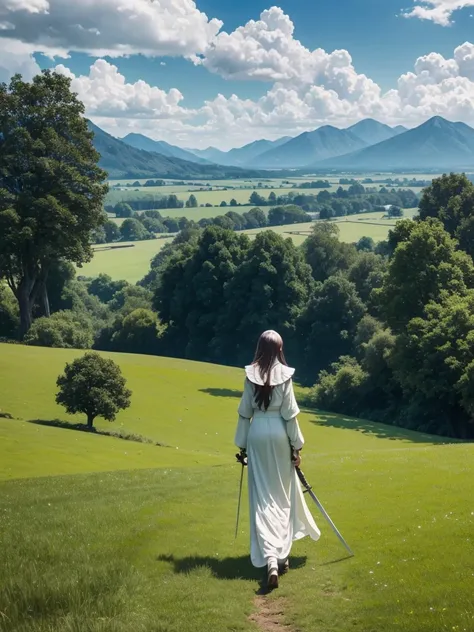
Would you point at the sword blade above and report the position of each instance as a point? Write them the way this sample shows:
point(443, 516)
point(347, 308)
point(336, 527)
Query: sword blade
point(308, 488)
point(326, 515)
point(238, 505)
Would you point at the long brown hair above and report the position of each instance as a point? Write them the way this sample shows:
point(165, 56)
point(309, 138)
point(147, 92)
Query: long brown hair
point(269, 349)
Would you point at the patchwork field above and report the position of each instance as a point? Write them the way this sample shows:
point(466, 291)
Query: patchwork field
point(109, 535)
point(240, 190)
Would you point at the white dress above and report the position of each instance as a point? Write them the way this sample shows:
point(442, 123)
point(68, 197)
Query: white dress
point(278, 511)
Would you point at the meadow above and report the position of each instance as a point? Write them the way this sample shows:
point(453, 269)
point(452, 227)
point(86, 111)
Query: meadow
point(108, 535)
point(130, 263)
point(351, 228)
point(214, 197)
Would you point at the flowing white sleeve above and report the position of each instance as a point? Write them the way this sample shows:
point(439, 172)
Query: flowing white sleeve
point(245, 411)
point(289, 411)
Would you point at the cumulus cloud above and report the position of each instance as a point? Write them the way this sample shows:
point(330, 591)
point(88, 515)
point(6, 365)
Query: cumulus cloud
point(105, 92)
point(438, 11)
point(110, 27)
point(439, 86)
point(30, 6)
point(266, 50)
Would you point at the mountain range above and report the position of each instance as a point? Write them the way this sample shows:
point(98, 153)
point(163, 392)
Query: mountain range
point(121, 160)
point(436, 144)
point(161, 147)
point(324, 143)
point(368, 145)
point(240, 156)
point(372, 132)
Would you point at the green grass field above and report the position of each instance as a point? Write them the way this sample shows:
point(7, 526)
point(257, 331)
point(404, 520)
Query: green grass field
point(349, 231)
point(130, 264)
point(208, 197)
point(351, 228)
point(106, 535)
point(214, 197)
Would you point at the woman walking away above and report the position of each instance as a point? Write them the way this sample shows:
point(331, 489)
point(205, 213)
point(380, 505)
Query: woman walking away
point(269, 433)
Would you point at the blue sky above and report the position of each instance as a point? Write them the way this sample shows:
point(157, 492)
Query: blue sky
point(145, 79)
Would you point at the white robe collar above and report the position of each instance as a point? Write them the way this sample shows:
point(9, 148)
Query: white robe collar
point(279, 374)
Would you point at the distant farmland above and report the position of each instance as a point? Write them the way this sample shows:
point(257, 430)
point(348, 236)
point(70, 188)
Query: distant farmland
point(240, 190)
point(133, 263)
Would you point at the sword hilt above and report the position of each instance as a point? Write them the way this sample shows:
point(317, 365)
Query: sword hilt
point(303, 480)
point(242, 457)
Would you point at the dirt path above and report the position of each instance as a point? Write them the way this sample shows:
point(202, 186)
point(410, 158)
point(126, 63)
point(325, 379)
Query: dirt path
point(269, 615)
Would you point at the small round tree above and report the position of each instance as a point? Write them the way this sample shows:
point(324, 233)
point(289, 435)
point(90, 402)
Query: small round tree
point(94, 386)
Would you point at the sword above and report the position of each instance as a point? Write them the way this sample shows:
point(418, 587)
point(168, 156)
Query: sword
point(241, 458)
point(309, 489)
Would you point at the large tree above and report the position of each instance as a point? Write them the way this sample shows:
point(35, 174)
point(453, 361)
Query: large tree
point(95, 386)
point(451, 199)
point(328, 325)
point(426, 265)
point(448, 198)
point(267, 291)
point(190, 293)
point(433, 362)
point(51, 189)
point(325, 253)
point(367, 273)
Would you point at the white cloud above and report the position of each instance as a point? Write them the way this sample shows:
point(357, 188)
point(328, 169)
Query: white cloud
point(110, 27)
point(439, 86)
point(30, 6)
point(106, 93)
point(16, 57)
point(438, 11)
point(266, 50)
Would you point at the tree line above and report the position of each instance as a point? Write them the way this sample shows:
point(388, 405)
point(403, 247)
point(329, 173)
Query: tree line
point(355, 199)
point(146, 225)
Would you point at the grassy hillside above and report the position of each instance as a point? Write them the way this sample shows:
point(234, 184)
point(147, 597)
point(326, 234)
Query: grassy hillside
point(152, 549)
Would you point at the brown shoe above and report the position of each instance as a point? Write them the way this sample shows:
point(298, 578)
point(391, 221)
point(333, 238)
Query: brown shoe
point(284, 568)
point(272, 582)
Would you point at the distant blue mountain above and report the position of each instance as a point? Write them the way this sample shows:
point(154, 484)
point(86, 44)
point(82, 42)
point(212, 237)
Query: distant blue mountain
point(308, 148)
point(436, 144)
point(124, 161)
point(373, 132)
point(161, 147)
point(240, 156)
